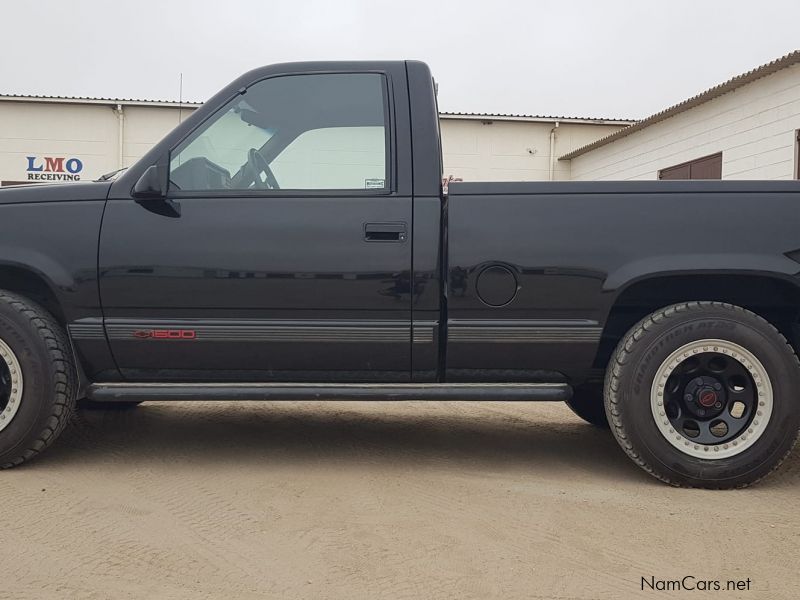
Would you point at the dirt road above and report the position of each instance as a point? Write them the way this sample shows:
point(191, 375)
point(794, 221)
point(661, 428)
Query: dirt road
point(392, 500)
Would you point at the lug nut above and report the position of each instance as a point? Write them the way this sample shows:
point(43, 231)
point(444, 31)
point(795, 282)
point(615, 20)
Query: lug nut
point(718, 405)
point(688, 397)
point(717, 386)
point(699, 381)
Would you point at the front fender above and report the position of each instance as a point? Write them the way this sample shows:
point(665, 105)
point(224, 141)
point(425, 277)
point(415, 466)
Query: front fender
point(57, 243)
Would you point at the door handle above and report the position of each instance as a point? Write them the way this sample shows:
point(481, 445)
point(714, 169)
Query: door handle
point(385, 232)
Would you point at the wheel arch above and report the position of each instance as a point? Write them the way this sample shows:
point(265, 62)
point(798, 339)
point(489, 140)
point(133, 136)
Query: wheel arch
point(34, 285)
point(773, 296)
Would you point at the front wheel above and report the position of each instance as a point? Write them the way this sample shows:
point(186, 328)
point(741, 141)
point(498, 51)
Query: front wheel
point(38, 381)
point(704, 394)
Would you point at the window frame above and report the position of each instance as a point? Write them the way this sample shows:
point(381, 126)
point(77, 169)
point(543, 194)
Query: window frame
point(390, 145)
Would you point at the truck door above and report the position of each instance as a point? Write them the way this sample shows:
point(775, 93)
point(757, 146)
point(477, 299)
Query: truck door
point(283, 249)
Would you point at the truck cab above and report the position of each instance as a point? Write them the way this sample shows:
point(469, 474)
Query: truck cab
point(278, 238)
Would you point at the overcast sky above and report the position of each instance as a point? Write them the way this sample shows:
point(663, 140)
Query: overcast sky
point(612, 58)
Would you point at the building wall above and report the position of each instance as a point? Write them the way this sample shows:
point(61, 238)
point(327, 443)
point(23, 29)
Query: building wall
point(86, 132)
point(477, 150)
point(145, 126)
point(64, 131)
point(473, 149)
point(753, 126)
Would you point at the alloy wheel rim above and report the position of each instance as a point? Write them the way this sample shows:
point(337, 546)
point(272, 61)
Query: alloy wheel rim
point(712, 399)
point(10, 385)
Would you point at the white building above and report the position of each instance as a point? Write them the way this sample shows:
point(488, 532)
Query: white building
point(745, 128)
point(101, 135)
point(515, 147)
point(69, 139)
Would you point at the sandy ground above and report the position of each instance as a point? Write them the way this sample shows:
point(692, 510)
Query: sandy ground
point(374, 500)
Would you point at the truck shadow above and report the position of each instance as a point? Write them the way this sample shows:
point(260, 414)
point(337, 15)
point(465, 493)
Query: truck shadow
point(531, 438)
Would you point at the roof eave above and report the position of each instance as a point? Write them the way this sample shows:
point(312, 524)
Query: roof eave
point(732, 84)
point(534, 119)
point(99, 101)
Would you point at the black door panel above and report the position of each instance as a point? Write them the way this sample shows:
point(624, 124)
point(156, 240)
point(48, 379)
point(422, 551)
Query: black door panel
point(272, 288)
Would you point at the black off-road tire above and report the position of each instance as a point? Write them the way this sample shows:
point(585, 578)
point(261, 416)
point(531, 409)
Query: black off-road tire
point(648, 346)
point(587, 403)
point(48, 377)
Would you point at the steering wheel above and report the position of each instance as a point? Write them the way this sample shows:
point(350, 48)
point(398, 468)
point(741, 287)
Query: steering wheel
point(258, 164)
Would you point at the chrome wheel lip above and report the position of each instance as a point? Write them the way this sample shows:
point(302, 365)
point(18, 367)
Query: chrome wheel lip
point(764, 407)
point(8, 357)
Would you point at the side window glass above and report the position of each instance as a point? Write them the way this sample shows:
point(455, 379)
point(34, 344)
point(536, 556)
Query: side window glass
point(297, 132)
point(334, 158)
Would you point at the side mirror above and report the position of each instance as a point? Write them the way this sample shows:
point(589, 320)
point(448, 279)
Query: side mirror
point(150, 191)
point(150, 184)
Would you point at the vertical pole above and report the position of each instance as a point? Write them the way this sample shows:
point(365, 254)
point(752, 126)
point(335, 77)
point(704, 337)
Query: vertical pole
point(180, 98)
point(553, 150)
point(121, 136)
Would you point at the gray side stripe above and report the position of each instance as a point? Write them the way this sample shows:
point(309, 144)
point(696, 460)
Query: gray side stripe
point(464, 331)
point(522, 334)
point(87, 331)
point(274, 333)
point(423, 331)
point(266, 331)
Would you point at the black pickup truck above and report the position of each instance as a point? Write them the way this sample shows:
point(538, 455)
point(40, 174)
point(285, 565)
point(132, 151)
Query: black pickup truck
point(291, 240)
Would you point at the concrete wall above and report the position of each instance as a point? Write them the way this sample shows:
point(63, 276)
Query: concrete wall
point(477, 150)
point(86, 132)
point(754, 127)
point(65, 131)
point(145, 126)
point(473, 149)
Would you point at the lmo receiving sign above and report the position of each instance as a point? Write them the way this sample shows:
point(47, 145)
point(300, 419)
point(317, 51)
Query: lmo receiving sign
point(51, 168)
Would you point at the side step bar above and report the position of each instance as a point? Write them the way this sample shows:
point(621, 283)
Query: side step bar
point(141, 392)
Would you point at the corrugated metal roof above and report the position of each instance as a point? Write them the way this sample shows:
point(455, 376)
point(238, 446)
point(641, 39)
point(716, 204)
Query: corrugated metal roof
point(723, 88)
point(95, 100)
point(175, 103)
point(535, 118)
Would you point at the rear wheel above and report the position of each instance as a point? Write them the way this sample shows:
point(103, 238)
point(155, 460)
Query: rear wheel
point(38, 381)
point(704, 394)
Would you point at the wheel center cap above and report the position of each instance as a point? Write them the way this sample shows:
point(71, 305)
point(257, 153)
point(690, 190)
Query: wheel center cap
point(704, 397)
point(707, 397)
